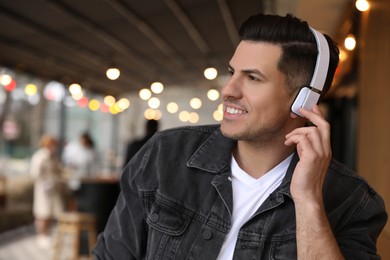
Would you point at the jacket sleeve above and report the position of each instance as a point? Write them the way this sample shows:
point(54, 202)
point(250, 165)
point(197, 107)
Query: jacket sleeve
point(125, 234)
point(358, 238)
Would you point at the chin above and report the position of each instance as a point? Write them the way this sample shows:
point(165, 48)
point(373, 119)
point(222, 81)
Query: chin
point(229, 133)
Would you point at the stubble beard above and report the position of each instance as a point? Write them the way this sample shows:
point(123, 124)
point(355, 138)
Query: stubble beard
point(259, 134)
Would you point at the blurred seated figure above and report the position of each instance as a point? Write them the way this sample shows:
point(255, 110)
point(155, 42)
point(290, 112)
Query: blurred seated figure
point(151, 127)
point(45, 169)
point(81, 162)
point(80, 159)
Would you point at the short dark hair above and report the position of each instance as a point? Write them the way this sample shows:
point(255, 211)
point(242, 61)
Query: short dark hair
point(299, 48)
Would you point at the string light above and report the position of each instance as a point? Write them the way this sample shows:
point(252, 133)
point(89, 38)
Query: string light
point(350, 42)
point(157, 87)
point(113, 73)
point(109, 100)
point(210, 73)
point(196, 103)
point(154, 102)
point(362, 5)
point(172, 107)
point(94, 104)
point(145, 94)
point(213, 94)
point(30, 89)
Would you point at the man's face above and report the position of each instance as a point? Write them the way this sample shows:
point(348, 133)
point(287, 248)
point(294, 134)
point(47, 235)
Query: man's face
point(256, 103)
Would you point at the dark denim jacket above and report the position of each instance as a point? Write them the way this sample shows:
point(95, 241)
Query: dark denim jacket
point(176, 203)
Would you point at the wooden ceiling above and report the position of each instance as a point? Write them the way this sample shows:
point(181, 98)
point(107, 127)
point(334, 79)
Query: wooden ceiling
point(166, 40)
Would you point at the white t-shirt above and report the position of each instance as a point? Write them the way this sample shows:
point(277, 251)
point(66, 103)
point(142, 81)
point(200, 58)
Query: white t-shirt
point(248, 194)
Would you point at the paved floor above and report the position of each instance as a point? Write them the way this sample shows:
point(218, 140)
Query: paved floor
point(21, 244)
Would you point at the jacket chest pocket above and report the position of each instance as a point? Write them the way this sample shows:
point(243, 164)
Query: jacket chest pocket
point(286, 249)
point(167, 225)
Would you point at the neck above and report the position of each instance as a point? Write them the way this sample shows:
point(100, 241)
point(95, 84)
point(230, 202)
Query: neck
point(257, 159)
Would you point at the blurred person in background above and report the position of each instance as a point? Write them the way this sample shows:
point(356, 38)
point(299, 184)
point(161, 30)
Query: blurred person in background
point(80, 159)
point(151, 127)
point(46, 171)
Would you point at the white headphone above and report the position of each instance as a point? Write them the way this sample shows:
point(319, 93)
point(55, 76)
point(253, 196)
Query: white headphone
point(308, 96)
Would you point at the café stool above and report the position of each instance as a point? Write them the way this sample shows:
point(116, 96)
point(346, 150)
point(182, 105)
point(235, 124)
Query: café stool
point(73, 224)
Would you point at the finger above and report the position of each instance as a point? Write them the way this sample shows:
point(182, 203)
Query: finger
point(310, 134)
point(304, 146)
point(318, 120)
point(315, 116)
point(301, 130)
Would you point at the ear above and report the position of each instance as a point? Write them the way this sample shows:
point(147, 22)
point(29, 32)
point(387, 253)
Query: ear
point(293, 115)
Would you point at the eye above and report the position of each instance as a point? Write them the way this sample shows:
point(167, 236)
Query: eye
point(253, 77)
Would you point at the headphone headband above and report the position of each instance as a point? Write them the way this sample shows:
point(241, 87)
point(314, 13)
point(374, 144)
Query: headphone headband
point(307, 97)
point(322, 64)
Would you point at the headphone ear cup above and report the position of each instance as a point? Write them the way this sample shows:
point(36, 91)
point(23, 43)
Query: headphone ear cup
point(299, 99)
point(305, 98)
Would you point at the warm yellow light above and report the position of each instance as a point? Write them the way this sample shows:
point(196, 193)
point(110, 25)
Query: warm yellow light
point(217, 115)
point(184, 116)
point(350, 42)
point(30, 89)
point(94, 104)
point(158, 115)
point(123, 103)
point(220, 108)
point(194, 118)
point(154, 102)
point(113, 110)
point(75, 89)
point(145, 94)
point(172, 107)
point(109, 100)
point(157, 87)
point(362, 5)
point(78, 96)
point(213, 94)
point(5, 79)
point(150, 114)
point(113, 73)
point(343, 55)
point(210, 73)
point(196, 103)
point(117, 107)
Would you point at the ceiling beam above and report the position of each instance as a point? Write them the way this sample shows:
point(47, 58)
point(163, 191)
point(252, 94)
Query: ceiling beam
point(135, 58)
point(84, 53)
point(149, 32)
point(229, 22)
point(195, 35)
point(148, 67)
point(34, 28)
point(50, 67)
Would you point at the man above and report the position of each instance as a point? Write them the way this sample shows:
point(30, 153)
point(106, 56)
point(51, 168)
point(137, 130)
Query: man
point(151, 127)
point(262, 185)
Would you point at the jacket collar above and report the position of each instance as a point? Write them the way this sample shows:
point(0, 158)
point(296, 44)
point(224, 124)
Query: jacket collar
point(285, 185)
point(215, 155)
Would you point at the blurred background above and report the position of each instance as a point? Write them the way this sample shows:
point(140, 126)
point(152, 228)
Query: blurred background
point(106, 66)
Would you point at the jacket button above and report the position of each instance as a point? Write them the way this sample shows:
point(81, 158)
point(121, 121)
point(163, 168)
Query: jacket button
point(207, 234)
point(154, 217)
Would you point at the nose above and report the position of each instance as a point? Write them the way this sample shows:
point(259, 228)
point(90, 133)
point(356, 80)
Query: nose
point(232, 88)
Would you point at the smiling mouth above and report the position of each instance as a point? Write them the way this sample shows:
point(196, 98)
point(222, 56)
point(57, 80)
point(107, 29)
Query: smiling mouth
point(235, 111)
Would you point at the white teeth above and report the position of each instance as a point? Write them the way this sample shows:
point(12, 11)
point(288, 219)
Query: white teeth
point(234, 111)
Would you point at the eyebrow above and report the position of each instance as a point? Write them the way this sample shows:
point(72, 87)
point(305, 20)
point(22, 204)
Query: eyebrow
point(250, 71)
